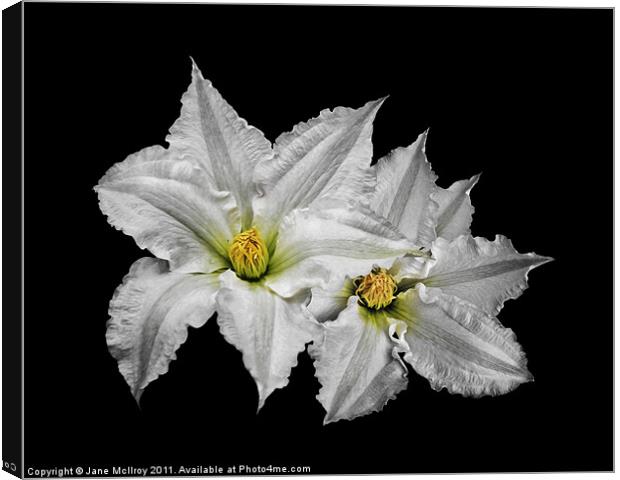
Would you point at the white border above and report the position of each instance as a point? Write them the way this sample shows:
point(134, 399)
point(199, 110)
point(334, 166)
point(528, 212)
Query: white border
point(554, 4)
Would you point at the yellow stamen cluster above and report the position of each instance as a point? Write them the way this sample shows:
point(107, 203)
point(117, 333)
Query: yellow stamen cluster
point(249, 254)
point(377, 289)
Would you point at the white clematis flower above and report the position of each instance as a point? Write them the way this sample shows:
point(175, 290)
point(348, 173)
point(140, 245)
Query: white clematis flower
point(437, 313)
point(240, 228)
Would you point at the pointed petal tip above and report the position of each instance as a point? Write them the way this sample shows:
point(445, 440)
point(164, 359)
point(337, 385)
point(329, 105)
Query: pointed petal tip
point(372, 107)
point(421, 140)
point(424, 134)
point(194, 65)
point(527, 378)
point(473, 181)
point(261, 398)
point(375, 105)
point(380, 100)
point(544, 259)
point(329, 419)
point(137, 395)
point(195, 69)
point(334, 418)
point(538, 259)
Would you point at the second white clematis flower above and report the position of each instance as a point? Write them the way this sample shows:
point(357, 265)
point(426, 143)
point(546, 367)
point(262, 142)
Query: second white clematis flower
point(241, 228)
point(438, 313)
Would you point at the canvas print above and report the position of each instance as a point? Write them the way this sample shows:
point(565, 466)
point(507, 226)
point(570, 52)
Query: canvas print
point(260, 238)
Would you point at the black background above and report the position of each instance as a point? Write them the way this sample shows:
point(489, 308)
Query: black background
point(524, 96)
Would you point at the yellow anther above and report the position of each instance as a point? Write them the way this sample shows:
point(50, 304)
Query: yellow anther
point(377, 289)
point(249, 255)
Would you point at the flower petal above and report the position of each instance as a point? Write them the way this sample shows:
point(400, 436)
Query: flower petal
point(481, 272)
point(455, 211)
point(327, 303)
point(270, 331)
point(327, 156)
point(165, 205)
point(458, 347)
point(211, 133)
point(405, 182)
point(149, 315)
point(358, 365)
point(315, 248)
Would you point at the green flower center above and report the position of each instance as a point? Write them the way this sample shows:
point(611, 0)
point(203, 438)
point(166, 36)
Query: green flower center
point(249, 255)
point(377, 289)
